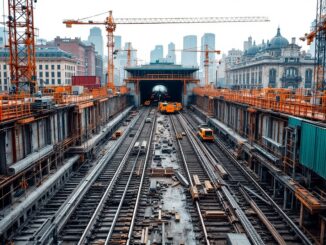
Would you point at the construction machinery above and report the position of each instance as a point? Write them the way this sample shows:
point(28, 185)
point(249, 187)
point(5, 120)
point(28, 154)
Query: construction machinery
point(207, 51)
point(318, 33)
point(22, 59)
point(205, 134)
point(111, 23)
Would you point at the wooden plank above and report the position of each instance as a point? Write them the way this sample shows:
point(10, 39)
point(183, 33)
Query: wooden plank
point(208, 185)
point(196, 180)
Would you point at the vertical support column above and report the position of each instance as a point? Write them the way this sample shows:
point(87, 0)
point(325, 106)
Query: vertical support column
point(285, 198)
point(301, 215)
point(274, 187)
point(3, 158)
point(322, 231)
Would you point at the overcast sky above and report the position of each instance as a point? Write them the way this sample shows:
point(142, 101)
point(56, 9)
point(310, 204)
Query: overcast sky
point(293, 16)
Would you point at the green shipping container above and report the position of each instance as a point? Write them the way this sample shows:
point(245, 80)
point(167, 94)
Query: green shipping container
point(313, 148)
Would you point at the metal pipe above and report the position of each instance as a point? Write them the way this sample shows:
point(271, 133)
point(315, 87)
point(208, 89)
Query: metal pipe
point(28, 161)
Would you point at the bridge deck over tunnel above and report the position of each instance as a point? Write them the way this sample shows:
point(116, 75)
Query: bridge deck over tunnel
point(177, 80)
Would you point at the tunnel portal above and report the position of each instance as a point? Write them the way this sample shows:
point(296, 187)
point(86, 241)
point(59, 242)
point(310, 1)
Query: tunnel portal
point(177, 80)
point(174, 91)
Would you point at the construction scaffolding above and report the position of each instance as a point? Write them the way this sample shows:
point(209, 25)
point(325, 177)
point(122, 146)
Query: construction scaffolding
point(15, 106)
point(299, 104)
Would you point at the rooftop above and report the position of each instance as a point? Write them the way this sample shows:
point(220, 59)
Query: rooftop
point(162, 66)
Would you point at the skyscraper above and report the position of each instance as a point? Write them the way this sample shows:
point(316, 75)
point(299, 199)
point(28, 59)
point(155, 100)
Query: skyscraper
point(157, 54)
point(171, 53)
point(3, 37)
point(95, 37)
point(189, 58)
point(209, 40)
point(117, 42)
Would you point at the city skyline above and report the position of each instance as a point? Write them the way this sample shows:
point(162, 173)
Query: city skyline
point(143, 36)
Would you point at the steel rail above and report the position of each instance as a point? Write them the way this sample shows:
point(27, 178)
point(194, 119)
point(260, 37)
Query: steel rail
point(140, 186)
point(295, 228)
point(191, 183)
point(250, 230)
point(90, 225)
point(64, 212)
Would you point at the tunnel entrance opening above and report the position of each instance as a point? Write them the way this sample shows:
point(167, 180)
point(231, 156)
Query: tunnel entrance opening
point(174, 91)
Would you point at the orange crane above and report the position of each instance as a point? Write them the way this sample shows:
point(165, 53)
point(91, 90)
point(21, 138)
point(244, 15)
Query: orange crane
point(318, 33)
point(22, 59)
point(206, 60)
point(111, 23)
point(128, 50)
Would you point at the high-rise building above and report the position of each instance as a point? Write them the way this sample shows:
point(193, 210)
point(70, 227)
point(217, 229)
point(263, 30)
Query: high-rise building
point(3, 37)
point(95, 37)
point(189, 58)
point(157, 54)
point(247, 44)
point(209, 40)
point(99, 67)
point(171, 57)
point(117, 42)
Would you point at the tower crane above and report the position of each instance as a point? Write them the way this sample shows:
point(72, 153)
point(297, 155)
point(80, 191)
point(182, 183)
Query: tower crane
point(128, 50)
point(22, 61)
point(110, 24)
point(207, 51)
point(318, 33)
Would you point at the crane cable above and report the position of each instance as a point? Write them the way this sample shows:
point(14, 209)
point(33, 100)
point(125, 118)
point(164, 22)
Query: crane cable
point(85, 18)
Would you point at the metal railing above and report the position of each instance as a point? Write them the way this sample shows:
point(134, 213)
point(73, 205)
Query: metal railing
point(280, 100)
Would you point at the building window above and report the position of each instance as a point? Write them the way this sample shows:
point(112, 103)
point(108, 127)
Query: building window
point(46, 67)
point(47, 81)
point(52, 74)
point(308, 78)
point(5, 67)
point(291, 72)
point(5, 81)
point(59, 81)
point(52, 67)
point(59, 74)
point(53, 82)
point(40, 74)
point(58, 67)
point(40, 67)
point(272, 78)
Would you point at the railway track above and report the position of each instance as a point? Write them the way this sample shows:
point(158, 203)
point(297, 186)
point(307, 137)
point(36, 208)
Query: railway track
point(41, 226)
point(112, 222)
point(269, 220)
point(214, 230)
point(73, 230)
point(153, 219)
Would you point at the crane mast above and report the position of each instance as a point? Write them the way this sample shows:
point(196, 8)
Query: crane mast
point(22, 59)
point(320, 45)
